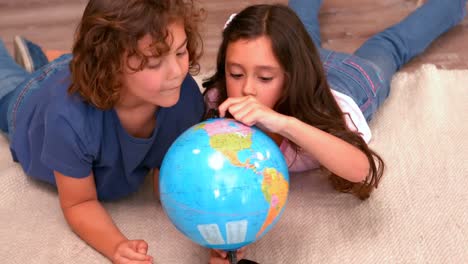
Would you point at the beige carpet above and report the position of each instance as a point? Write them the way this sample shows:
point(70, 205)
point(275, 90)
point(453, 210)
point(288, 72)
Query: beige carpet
point(418, 215)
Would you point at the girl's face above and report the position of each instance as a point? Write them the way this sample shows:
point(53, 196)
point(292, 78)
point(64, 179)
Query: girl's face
point(252, 69)
point(159, 83)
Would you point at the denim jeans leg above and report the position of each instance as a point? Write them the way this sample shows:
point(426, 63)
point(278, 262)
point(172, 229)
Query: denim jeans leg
point(11, 75)
point(37, 55)
point(308, 11)
point(395, 46)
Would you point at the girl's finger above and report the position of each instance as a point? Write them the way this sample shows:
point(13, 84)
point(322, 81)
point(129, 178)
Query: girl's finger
point(228, 103)
point(249, 117)
point(241, 109)
point(223, 107)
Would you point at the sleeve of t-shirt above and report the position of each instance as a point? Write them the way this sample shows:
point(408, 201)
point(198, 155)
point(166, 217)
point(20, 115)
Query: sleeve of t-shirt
point(190, 107)
point(354, 117)
point(64, 149)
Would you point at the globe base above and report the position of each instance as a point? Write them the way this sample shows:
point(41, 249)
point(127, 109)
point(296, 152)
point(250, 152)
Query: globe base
point(232, 256)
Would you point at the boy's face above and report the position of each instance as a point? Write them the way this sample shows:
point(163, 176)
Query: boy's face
point(252, 69)
point(160, 81)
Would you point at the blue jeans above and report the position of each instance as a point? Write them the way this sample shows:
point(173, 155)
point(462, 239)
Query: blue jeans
point(365, 76)
point(11, 75)
point(16, 83)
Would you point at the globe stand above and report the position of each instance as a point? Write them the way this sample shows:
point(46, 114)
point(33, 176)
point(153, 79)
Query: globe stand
point(262, 182)
point(232, 256)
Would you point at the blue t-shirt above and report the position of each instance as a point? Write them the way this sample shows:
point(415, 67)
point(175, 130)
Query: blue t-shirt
point(58, 131)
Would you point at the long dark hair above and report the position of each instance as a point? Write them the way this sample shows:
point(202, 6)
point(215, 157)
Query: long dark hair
point(111, 28)
point(306, 94)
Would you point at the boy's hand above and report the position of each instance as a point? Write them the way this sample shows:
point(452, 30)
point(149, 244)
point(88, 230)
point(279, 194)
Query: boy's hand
point(132, 252)
point(220, 256)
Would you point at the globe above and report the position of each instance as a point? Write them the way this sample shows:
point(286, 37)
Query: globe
point(223, 184)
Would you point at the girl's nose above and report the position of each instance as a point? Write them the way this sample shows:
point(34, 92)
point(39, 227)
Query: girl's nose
point(249, 88)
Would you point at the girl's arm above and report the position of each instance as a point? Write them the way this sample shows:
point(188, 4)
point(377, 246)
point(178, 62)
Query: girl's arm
point(335, 154)
point(89, 220)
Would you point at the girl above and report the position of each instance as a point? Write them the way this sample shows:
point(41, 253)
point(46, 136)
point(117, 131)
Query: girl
point(272, 72)
point(95, 124)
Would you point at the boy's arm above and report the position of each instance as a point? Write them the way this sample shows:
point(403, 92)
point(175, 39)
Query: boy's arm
point(89, 220)
point(156, 183)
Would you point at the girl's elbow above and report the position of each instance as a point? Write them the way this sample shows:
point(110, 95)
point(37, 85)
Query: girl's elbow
point(360, 173)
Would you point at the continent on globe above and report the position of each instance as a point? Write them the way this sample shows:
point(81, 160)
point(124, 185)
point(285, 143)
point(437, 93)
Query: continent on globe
point(229, 139)
point(275, 189)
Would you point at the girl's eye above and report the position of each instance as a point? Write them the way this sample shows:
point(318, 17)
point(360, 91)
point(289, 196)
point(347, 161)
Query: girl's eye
point(236, 76)
point(266, 79)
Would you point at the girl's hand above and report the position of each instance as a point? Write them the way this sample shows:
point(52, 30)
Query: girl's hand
point(220, 256)
point(250, 111)
point(132, 252)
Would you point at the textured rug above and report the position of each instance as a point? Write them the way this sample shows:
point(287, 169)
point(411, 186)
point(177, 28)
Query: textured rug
point(419, 214)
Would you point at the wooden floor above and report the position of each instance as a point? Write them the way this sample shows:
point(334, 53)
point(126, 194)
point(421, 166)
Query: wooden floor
point(345, 24)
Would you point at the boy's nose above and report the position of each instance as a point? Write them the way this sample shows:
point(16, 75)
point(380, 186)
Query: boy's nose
point(175, 69)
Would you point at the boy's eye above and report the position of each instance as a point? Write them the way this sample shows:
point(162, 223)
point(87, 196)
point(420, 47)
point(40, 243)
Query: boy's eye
point(154, 63)
point(153, 66)
point(182, 53)
point(236, 76)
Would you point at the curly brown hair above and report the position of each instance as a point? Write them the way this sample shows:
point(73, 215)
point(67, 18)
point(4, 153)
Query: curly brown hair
point(111, 29)
point(306, 94)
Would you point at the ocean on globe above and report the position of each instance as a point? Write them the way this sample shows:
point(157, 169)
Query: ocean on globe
point(223, 184)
